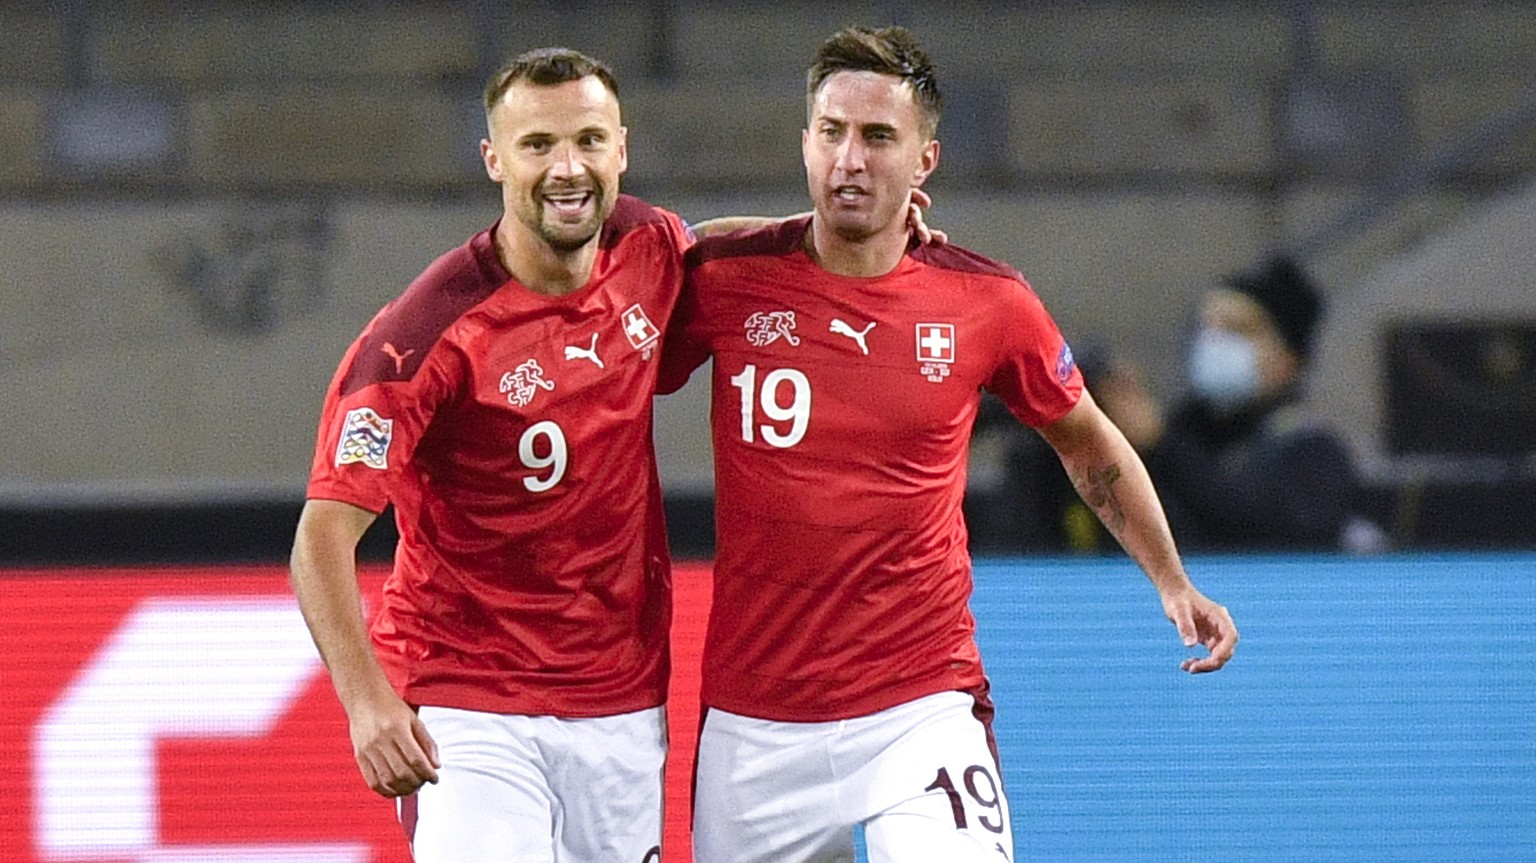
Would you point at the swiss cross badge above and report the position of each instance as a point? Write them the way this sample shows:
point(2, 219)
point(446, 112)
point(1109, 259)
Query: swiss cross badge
point(935, 350)
point(642, 334)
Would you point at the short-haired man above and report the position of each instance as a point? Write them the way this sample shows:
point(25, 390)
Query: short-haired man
point(842, 683)
point(512, 693)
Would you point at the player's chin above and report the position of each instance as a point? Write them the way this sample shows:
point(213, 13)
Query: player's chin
point(854, 230)
point(570, 237)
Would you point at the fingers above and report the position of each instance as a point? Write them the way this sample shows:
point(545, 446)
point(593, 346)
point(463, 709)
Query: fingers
point(915, 206)
point(1219, 636)
point(396, 755)
point(393, 772)
point(1183, 619)
point(427, 744)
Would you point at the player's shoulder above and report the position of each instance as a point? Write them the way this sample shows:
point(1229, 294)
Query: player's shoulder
point(401, 335)
point(950, 258)
point(631, 214)
point(775, 239)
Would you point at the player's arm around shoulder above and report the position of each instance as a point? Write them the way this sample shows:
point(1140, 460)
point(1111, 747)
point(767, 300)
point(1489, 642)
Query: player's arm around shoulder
point(1112, 480)
point(392, 747)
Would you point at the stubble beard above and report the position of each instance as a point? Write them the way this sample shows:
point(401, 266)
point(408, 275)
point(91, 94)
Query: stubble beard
point(565, 238)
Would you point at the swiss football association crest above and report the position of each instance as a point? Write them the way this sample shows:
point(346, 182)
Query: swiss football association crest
point(642, 334)
point(765, 328)
point(365, 439)
point(524, 382)
point(935, 350)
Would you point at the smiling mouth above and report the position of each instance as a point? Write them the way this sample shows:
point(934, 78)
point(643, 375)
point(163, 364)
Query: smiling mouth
point(569, 203)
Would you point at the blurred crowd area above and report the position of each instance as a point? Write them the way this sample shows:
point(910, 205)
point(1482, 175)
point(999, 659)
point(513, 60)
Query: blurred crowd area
point(201, 204)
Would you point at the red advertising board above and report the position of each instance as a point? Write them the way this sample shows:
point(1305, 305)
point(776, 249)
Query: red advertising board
point(173, 715)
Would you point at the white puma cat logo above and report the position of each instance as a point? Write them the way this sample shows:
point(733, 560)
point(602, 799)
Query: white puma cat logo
point(575, 352)
point(843, 329)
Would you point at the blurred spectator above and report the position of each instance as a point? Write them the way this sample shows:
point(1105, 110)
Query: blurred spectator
point(1238, 463)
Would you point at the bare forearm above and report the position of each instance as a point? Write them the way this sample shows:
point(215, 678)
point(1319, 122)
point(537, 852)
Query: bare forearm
point(727, 224)
point(1112, 480)
point(323, 571)
point(1116, 486)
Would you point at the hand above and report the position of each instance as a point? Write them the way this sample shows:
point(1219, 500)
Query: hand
point(392, 746)
point(919, 202)
point(1201, 621)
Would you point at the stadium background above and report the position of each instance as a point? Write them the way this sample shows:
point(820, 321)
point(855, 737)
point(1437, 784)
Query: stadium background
point(200, 206)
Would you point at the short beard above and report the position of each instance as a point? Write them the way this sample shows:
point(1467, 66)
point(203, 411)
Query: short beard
point(565, 245)
point(561, 242)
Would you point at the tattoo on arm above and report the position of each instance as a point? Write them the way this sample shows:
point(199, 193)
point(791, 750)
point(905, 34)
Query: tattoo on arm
point(1097, 486)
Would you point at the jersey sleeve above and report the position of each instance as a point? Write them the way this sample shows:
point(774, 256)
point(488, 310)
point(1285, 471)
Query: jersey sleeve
point(369, 430)
point(1035, 376)
point(685, 346)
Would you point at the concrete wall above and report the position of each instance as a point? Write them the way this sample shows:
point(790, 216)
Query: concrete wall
point(189, 343)
point(172, 324)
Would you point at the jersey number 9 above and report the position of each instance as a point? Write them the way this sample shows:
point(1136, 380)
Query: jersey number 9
point(555, 461)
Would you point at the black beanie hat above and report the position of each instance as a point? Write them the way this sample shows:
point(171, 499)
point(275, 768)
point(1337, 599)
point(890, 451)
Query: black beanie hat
point(1293, 302)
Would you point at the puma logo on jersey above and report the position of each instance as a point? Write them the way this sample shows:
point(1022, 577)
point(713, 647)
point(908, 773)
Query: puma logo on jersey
point(575, 352)
point(394, 353)
point(765, 328)
point(843, 329)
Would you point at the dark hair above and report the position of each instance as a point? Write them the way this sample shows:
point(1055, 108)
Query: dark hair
point(888, 51)
point(1288, 295)
point(546, 67)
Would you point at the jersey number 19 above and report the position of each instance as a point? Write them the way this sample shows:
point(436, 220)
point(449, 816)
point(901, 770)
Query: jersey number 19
point(797, 413)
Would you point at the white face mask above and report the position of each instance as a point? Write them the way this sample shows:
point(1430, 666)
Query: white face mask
point(1224, 368)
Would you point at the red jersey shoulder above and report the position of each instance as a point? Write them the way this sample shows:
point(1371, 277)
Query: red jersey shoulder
point(962, 260)
point(631, 214)
point(776, 239)
point(404, 332)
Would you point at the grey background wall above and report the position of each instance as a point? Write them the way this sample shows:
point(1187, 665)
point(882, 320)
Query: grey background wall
point(201, 206)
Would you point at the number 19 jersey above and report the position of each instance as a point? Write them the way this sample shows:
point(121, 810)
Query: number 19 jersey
point(512, 433)
point(842, 413)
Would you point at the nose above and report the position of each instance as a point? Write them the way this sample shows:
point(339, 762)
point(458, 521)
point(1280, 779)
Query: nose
point(850, 155)
point(566, 163)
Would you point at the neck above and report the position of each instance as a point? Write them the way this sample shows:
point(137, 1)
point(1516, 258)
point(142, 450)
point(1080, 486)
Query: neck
point(540, 267)
point(870, 256)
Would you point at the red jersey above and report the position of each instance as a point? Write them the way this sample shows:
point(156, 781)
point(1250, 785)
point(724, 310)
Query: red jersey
point(842, 415)
point(512, 432)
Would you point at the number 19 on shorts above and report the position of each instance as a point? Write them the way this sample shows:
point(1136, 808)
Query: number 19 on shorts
point(784, 399)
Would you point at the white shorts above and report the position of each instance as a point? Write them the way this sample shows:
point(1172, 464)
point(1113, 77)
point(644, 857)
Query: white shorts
point(922, 778)
point(538, 789)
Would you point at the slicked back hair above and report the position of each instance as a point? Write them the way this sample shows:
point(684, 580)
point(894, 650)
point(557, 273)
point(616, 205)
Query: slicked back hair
point(547, 67)
point(888, 51)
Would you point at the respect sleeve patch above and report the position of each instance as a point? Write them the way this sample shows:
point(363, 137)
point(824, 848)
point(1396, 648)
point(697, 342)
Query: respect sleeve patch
point(365, 439)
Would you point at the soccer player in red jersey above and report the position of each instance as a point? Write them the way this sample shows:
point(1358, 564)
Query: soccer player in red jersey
point(842, 682)
point(511, 695)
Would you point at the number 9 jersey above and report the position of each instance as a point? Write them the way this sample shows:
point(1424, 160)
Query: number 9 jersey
point(842, 414)
point(512, 433)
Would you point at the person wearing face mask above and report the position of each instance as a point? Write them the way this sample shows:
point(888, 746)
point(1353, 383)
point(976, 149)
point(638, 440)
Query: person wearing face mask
point(1237, 463)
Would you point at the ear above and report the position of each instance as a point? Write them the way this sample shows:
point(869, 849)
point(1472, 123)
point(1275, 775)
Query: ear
point(492, 162)
point(623, 149)
point(805, 147)
point(926, 164)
